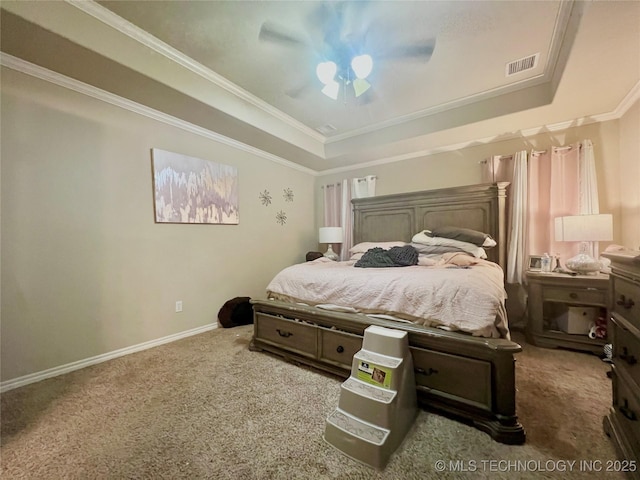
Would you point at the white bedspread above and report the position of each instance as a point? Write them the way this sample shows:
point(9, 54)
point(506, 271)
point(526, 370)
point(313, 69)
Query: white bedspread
point(443, 295)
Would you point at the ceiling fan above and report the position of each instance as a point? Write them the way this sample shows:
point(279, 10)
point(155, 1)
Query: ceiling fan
point(343, 41)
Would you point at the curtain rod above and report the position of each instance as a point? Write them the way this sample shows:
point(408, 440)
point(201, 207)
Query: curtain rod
point(360, 179)
point(535, 152)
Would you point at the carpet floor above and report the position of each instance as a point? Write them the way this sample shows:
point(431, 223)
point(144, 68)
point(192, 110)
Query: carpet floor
point(208, 407)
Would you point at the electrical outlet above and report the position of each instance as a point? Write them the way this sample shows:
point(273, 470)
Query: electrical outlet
point(178, 306)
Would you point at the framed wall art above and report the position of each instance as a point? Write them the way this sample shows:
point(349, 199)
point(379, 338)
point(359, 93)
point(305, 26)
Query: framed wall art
point(191, 190)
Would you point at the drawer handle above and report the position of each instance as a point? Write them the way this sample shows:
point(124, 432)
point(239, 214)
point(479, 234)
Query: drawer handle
point(340, 349)
point(422, 371)
point(627, 412)
point(284, 334)
point(625, 303)
point(573, 295)
point(630, 359)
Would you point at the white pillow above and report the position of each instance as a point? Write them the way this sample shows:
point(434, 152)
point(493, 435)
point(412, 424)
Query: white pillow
point(364, 246)
point(489, 242)
point(424, 239)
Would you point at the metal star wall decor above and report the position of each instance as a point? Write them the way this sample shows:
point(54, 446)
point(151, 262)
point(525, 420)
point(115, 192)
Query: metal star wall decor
point(288, 195)
point(265, 198)
point(281, 217)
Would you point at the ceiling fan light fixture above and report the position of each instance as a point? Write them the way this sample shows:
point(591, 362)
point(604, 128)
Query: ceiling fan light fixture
point(362, 65)
point(331, 89)
point(326, 72)
point(360, 85)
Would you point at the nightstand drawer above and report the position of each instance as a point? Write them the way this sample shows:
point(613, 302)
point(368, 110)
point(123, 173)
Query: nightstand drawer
point(626, 300)
point(339, 347)
point(299, 337)
point(582, 296)
point(626, 351)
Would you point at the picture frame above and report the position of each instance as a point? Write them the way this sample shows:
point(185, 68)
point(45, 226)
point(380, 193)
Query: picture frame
point(192, 190)
point(535, 263)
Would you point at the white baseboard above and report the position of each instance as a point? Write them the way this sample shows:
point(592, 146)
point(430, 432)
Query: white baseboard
point(70, 367)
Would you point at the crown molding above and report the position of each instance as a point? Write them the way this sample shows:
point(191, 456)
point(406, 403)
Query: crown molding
point(106, 16)
point(442, 107)
point(50, 76)
point(627, 102)
point(553, 53)
point(31, 69)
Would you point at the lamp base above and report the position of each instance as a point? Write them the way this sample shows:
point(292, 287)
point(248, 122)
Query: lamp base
point(584, 264)
point(330, 254)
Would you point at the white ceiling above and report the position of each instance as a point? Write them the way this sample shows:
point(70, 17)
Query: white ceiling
point(205, 63)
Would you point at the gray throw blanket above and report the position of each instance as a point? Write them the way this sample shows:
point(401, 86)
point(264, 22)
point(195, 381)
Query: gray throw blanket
point(394, 257)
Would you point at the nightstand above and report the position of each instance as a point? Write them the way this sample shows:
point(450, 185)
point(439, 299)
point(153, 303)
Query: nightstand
point(554, 295)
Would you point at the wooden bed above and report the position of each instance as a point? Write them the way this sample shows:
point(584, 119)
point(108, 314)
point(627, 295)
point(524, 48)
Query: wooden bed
point(469, 378)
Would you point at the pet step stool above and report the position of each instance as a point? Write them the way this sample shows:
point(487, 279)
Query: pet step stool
point(378, 402)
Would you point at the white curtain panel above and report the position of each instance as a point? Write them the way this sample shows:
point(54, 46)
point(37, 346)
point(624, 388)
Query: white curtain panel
point(588, 191)
point(518, 205)
point(559, 181)
point(363, 187)
point(346, 218)
point(332, 195)
point(338, 211)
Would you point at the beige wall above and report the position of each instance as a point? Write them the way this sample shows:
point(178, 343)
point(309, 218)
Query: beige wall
point(630, 177)
point(85, 270)
point(461, 167)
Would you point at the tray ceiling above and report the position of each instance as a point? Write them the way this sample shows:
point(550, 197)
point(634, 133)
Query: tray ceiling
point(205, 62)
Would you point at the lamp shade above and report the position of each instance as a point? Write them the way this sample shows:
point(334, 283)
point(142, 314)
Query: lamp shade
point(330, 235)
point(584, 228)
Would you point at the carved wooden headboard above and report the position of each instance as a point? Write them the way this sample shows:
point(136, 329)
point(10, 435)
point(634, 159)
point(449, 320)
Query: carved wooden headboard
point(400, 216)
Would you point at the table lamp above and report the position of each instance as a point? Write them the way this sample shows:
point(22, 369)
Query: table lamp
point(584, 229)
point(330, 235)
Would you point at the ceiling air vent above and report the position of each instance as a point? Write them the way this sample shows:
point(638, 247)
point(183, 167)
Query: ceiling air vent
point(526, 63)
point(327, 129)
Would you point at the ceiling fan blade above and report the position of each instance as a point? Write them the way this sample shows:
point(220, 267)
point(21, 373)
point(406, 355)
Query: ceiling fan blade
point(270, 32)
point(299, 90)
point(423, 51)
point(367, 98)
point(355, 22)
point(338, 27)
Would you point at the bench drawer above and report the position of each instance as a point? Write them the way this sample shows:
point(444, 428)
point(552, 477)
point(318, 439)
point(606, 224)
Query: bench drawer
point(466, 378)
point(296, 336)
point(339, 347)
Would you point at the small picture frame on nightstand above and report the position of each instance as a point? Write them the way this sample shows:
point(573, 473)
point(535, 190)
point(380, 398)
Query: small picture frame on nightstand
point(535, 263)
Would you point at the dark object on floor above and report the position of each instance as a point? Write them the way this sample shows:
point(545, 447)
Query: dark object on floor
point(311, 256)
point(235, 312)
